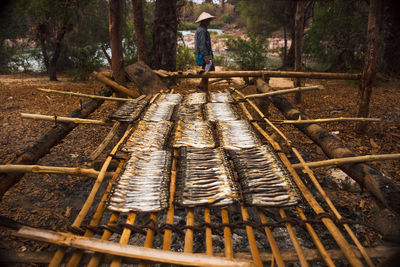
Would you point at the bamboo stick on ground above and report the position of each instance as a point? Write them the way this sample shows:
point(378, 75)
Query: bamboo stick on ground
point(91, 96)
point(327, 120)
point(106, 141)
point(100, 77)
point(9, 168)
point(62, 119)
point(348, 160)
point(285, 91)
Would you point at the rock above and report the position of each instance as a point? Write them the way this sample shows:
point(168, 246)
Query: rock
point(144, 78)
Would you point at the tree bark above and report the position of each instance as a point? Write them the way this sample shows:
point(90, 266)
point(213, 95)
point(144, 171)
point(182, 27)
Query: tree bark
point(380, 186)
point(31, 155)
point(139, 30)
point(370, 63)
point(298, 49)
point(115, 29)
point(165, 35)
point(391, 36)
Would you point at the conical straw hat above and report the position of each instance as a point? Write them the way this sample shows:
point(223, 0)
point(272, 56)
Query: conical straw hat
point(204, 16)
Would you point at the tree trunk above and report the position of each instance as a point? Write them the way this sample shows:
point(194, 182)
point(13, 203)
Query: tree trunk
point(380, 186)
point(391, 36)
point(41, 35)
point(115, 29)
point(223, 5)
point(284, 56)
point(165, 35)
point(32, 154)
point(371, 61)
point(298, 49)
point(139, 30)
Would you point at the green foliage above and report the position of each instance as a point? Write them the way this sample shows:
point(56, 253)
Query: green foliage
point(248, 55)
point(187, 26)
point(337, 34)
point(226, 18)
point(184, 58)
point(84, 61)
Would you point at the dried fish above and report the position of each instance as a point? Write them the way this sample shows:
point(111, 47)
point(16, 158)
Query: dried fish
point(146, 180)
point(148, 136)
point(221, 112)
point(169, 98)
point(129, 111)
point(195, 99)
point(195, 134)
point(237, 134)
point(187, 112)
point(263, 178)
point(204, 178)
point(221, 98)
point(159, 112)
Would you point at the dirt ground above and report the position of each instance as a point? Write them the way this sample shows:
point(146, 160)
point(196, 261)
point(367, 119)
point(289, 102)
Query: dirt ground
point(52, 201)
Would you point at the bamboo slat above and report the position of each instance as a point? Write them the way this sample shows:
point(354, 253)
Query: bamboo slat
point(63, 119)
point(285, 91)
point(327, 120)
point(114, 130)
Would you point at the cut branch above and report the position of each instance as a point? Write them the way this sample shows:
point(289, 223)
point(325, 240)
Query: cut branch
point(63, 119)
point(90, 96)
point(100, 77)
point(9, 168)
point(286, 91)
point(327, 120)
point(32, 154)
point(347, 160)
point(106, 141)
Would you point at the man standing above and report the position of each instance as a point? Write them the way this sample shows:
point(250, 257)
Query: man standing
point(202, 46)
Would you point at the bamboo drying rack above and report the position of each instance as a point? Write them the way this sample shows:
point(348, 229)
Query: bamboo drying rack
point(343, 243)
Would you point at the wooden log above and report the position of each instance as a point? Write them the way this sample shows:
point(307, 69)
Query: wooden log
point(31, 154)
point(381, 187)
point(340, 161)
point(10, 168)
point(327, 120)
point(261, 73)
point(122, 89)
point(285, 91)
point(62, 119)
point(129, 251)
point(91, 96)
point(106, 141)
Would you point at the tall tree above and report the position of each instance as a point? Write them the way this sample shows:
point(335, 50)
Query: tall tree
point(115, 28)
point(139, 30)
point(371, 61)
point(165, 29)
point(391, 36)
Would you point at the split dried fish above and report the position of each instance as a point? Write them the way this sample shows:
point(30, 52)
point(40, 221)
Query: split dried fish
point(221, 112)
point(194, 134)
point(236, 135)
point(195, 99)
point(221, 98)
point(190, 113)
point(148, 136)
point(143, 185)
point(204, 178)
point(159, 112)
point(129, 111)
point(263, 178)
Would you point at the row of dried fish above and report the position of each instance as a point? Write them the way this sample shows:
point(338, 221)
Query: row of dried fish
point(221, 112)
point(204, 178)
point(159, 111)
point(195, 99)
point(194, 134)
point(188, 113)
point(143, 185)
point(236, 135)
point(148, 136)
point(221, 98)
point(129, 111)
point(169, 98)
point(263, 178)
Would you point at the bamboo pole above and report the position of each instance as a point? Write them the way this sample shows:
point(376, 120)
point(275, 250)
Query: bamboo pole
point(62, 119)
point(349, 160)
point(261, 73)
point(251, 238)
point(227, 234)
point(10, 168)
point(207, 219)
point(327, 120)
point(100, 77)
point(129, 251)
point(91, 96)
point(285, 91)
point(189, 232)
point(114, 130)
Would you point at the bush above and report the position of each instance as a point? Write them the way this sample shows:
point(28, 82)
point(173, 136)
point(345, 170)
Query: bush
point(187, 26)
point(184, 58)
point(248, 55)
point(226, 18)
point(84, 60)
